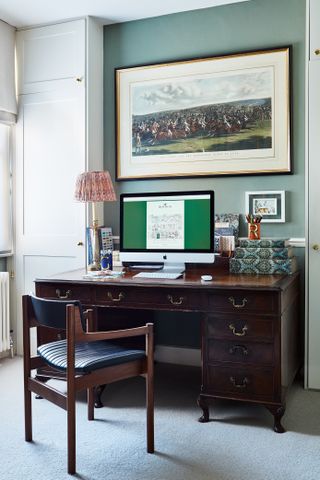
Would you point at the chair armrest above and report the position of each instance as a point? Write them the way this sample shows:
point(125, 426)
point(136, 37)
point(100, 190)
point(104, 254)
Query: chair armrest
point(114, 334)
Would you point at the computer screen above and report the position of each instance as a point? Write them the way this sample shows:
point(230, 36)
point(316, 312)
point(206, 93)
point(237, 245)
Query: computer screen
point(154, 225)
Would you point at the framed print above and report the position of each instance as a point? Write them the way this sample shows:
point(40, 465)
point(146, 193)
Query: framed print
point(271, 205)
point(225, 115)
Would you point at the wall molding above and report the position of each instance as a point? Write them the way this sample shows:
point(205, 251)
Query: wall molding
point(178, 355)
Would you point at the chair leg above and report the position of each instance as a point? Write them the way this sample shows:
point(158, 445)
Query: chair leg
point(150, 412)
point(90, 401)
point(27, 414)
point(71, 414)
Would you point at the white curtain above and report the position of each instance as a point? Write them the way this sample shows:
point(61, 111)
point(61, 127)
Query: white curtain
point(5, 191)
point(8, 103)
point(8, 112)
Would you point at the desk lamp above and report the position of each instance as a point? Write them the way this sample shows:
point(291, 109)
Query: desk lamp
point(95, 187)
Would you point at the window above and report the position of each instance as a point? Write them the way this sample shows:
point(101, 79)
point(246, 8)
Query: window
point(5, 192)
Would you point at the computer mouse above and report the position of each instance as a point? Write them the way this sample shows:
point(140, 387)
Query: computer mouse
point(206, 278)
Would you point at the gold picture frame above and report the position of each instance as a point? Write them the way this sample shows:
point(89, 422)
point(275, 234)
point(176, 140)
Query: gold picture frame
point(227, 115)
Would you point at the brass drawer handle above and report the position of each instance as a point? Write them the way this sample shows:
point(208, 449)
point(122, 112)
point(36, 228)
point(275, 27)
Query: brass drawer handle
point(238, 305)
point(317, 51)
point(120, 297)
point(175, 302)
point(241, 348)
point(244, 383)
point(63, 297)
point(238, 334)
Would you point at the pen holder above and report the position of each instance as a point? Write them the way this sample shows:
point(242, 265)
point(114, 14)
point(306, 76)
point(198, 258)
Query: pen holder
point(254, 231)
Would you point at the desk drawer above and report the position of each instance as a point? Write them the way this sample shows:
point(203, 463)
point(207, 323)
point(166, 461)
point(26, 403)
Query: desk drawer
point(239, 382)
point(65, 292)
point(153, 298)
point(240, 327)
point(240, 352)
point(242, 301)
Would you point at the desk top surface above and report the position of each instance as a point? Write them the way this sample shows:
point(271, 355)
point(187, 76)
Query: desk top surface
point(190, 279)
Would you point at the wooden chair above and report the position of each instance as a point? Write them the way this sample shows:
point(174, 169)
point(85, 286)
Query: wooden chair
point(88, 358)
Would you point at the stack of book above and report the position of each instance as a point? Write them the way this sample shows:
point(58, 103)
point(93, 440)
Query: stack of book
point(265, 256)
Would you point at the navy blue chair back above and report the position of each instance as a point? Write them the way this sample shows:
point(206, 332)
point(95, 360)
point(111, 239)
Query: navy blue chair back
point(52, 313)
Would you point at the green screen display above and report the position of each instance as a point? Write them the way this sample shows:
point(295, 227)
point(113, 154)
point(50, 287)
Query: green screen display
point(167, 223)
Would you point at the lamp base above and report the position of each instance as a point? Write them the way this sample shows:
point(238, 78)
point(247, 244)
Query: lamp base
point(93, 267)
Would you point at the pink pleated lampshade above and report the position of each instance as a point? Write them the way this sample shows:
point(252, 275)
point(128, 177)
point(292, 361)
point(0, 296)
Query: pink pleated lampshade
point(94, 187)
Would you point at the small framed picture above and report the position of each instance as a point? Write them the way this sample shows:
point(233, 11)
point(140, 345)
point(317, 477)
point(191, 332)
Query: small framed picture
point(271, 205)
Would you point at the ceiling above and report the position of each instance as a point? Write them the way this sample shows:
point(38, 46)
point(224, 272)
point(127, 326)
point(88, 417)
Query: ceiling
point(23, 13)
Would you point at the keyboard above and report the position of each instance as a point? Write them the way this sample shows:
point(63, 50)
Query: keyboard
point(168, 275)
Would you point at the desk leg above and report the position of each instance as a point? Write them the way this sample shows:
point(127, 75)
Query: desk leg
point(98, 391)
point(277, 412)
point(202, 403)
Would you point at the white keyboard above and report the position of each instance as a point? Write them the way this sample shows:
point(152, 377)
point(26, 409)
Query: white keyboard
point(169, 275)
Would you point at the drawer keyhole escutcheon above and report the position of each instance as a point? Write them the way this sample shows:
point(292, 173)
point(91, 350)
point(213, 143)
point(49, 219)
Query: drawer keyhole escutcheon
point(61, 296)
point(238, 334)
point(237, 305)
point(239, 348)
point(118, 299)
point(175, 302)
point(243, 384)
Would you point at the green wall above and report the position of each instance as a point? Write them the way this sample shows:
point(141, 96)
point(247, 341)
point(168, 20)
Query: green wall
point(253, 25)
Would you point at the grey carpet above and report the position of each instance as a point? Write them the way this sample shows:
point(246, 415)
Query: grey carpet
point(238, 444)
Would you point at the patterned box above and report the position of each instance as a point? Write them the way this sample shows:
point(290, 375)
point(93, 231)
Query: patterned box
point(264, 243)
point(264, 253)
point(262, 266)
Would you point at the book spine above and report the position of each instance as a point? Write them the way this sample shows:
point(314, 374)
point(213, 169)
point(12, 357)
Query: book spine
point(263, 243)
point(264, 253)
point(263, 267)
point(89, 246)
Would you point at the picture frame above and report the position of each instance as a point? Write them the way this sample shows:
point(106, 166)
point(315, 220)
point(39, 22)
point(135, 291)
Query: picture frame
point(269, 204)
point(225, 115)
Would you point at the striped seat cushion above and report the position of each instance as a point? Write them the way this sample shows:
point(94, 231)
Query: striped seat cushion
point(88, 356)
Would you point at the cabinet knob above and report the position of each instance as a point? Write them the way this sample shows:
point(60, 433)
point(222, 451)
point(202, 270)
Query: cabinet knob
point(234, 331)
point(242, 384)
point(115, 299)
point(317, 51)
point(60, 295)
point(175, 302)
point(79, 79)
point(80, 244)
point(316, 247)
point(237, 305)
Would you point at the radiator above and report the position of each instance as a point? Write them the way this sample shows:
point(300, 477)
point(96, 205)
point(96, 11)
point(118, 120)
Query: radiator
point(4, 312)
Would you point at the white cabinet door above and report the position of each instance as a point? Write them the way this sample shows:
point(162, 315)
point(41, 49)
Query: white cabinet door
point(51, 57)
point(314, 29)
point(313, 332)
point(50, 224)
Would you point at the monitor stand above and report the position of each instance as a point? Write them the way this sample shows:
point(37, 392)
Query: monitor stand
point(174, 267)
point(143, 265)
point(164, 267)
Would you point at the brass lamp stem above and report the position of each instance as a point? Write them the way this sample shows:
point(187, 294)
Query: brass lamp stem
point(95, 241)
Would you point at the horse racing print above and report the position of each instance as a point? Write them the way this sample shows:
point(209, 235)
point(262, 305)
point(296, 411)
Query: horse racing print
point(205, 117)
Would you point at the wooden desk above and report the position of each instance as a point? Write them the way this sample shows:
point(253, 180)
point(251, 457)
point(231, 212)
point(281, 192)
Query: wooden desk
point(249, 326)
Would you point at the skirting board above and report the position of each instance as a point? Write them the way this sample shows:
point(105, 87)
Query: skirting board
point(178, 355)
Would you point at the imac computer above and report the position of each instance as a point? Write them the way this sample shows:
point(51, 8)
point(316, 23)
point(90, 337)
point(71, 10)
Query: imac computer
point(166, 230)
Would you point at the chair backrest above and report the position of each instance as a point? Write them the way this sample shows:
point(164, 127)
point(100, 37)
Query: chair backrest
point(52, 313)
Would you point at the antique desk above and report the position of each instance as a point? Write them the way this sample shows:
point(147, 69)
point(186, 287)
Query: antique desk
point(249, 326)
